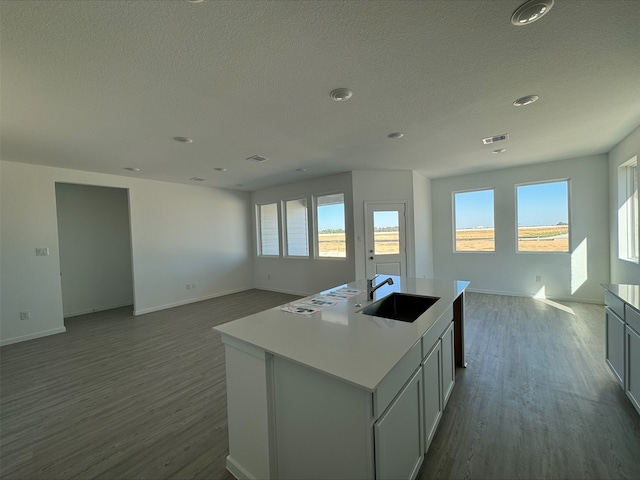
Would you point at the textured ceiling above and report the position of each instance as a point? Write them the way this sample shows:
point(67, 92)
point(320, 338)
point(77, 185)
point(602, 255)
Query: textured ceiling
point(103, 85)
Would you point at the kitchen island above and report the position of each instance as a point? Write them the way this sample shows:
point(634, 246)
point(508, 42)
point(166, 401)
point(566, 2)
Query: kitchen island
point(341, 394)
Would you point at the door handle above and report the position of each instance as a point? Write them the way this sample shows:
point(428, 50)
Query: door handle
point(370, 258)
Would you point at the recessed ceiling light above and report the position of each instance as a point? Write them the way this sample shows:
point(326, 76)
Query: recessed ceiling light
point(531, 11)
point(257, 158)
point(183, 139)
point(197, 179)
point(132, 169)
point(220, 169)
point(396, 135)
point(500, 150)
point(301, 169)
point(195, 1)
point(524, 101)
point(341, 94)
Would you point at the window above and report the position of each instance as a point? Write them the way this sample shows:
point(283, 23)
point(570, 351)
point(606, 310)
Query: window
point(543, 217)
point(628, 240)
point(473, 219)
point(330, 221)
point(297, 225)
point(268, 229)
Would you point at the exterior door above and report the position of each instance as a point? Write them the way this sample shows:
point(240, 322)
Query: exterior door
point(385, 239)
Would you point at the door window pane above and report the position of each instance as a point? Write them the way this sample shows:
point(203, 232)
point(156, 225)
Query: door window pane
point(386, 233)
point(331, 226)
point(268, 226)
point(473, 213)
point(628, 220)
point(543, 217)
point(297, 228)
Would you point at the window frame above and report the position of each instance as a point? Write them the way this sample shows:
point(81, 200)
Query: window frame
point(627, 212)
point(285, 227)
point(569, 221)
point(316, 238)
point(454, 216)
point(260, 249)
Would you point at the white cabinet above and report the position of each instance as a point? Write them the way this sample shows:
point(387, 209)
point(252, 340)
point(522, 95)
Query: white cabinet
point(632, 384)
point(398, 434)
point(432, 392)
point(622, 320)
point(615, 344)
point(448, 364)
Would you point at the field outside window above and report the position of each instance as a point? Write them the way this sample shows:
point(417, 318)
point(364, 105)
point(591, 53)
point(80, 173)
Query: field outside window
point(297, 224)
point(474, 221)
point(268, 229)
point(543, 217)
point(331, 238)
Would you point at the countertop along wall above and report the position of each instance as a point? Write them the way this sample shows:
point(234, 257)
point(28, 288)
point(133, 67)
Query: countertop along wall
point(180, 234)
point(621, 271)
point(575, 276)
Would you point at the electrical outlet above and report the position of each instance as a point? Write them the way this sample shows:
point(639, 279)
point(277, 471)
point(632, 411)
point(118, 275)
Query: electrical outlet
point(193, 286)
point(25, 315)
point(42, 252)
point(538, 278)
point(188, 286)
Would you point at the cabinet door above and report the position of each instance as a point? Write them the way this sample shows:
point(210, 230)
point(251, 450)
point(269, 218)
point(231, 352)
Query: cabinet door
point(398, 434)
point(633, 367)
point(615, 344)
point(432, 392)
point(448, 364)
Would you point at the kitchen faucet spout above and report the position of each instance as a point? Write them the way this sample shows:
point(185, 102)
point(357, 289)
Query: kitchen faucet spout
point(371, 288)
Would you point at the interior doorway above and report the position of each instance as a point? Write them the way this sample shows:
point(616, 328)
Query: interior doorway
point(94, 236)
point(385, 239)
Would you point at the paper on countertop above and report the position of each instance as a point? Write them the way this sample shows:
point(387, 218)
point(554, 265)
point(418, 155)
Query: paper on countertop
point(311, 305)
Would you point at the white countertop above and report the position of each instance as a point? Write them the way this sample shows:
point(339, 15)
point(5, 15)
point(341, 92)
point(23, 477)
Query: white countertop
point(627, 293)
point(357, 348)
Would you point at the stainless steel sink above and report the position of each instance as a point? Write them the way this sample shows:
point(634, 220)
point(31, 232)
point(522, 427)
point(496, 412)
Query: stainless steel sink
point(403, 307)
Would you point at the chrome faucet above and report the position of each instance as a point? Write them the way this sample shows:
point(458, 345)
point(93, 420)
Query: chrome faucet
point(371, 288)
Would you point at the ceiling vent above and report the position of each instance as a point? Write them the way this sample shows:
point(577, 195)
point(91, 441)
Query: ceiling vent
point(196, 179)
point(496, 138)
point(257, 158)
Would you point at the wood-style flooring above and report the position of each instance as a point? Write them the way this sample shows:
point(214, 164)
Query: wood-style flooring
point(124, 397)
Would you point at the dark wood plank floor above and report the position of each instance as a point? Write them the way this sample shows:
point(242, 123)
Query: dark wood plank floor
point(123, 397)
point(537, 400)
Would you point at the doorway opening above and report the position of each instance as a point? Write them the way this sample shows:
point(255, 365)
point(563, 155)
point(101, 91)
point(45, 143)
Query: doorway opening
point(94, 235)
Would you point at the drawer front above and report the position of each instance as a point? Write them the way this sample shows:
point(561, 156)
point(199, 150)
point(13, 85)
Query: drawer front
point(393, 382)
point(614, 303)
point(632, 317)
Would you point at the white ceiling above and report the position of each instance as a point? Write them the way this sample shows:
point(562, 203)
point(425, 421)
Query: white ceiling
point(103, 85)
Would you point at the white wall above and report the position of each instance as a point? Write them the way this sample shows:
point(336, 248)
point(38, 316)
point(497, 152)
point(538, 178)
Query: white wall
point(305, 276)
point(180, 234)
point(576, 276)
point(423, 225)
point(95, 248)
point(382, 186)
point(621, 271)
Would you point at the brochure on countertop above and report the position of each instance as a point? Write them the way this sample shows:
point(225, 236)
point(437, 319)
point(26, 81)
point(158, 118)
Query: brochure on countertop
point(311, 305)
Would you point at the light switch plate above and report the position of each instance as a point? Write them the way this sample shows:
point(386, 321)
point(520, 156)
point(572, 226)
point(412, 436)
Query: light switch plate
point(42, 252)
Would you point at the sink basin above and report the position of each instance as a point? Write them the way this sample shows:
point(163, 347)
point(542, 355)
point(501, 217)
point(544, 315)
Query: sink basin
point(403, 307)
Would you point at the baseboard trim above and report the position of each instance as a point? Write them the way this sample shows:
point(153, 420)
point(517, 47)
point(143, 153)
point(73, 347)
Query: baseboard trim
point(142, 311)
point(236, 470)
point(531, 295)
point(32, 336)
point(98, 309)
point(282, 290)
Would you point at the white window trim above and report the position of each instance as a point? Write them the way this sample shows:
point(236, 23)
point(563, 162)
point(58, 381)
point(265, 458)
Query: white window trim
point(628, 241)
point(453, 214)
point(316, 242)
point(569, 222)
